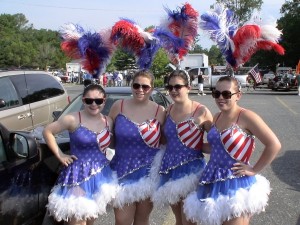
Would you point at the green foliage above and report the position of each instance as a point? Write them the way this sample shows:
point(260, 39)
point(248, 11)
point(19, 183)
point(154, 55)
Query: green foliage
point(160, 62)
point(25, 47)
point(242, 8)
point(158, 82)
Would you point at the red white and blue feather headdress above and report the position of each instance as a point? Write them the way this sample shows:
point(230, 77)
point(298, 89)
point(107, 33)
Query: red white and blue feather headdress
point(177, 32)
point(93, 49)
point(238, 44)
point(132, 38)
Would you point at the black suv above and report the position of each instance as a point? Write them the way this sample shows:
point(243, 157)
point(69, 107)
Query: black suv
point(26, 179)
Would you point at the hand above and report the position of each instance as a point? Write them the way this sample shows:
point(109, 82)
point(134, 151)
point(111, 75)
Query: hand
point(66, 160)
point(242, 169)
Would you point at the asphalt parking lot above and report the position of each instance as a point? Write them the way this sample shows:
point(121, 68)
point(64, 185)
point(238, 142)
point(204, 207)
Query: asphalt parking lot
point(281, 111)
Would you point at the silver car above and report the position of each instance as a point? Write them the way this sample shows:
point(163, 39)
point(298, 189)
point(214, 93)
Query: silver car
point(28, 99)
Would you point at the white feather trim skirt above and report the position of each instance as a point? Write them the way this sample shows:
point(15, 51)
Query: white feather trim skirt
point(86, 200)
point(139, 185)
point(178, 183)
point(215, 203)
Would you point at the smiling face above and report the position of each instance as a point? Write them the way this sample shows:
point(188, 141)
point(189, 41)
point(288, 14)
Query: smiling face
point(226, 103)
point(141, 88)
point(93, 109)
point(180, 90)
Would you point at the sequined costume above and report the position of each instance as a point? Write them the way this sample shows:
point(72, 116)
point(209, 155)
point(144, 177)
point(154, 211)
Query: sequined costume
point(221, 195)
point(182, 162)
point(86, 186)
point(137, 158)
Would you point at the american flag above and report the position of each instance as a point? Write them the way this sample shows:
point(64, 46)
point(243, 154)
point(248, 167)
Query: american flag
point(255, 74)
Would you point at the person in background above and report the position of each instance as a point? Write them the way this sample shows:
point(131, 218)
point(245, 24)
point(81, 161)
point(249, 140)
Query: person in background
point(137, 131)
point(230, 189)
point(297, 82)
point(183, 161)
point(104, 80)
point(128, 79)
point(200, 83)
point(86, 183)
point(119, 79)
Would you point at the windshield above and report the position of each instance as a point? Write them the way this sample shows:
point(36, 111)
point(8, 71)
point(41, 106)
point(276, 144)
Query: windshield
point(76, 105)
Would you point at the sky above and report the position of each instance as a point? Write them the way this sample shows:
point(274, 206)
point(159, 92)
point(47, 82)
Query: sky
point(100, 14)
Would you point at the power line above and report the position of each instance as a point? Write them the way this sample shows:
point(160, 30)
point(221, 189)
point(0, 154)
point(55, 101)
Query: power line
point(85, 9)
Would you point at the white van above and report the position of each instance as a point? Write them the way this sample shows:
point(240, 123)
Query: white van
point(28, 98)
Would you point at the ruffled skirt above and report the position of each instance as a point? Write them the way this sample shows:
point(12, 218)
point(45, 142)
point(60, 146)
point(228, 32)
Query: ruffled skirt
point(140, 184)
point(86, 200)
point(178, 183)
point(214, 203)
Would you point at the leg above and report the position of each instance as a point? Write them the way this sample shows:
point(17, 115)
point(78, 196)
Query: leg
point(73, 221)
point(238, 221)
point(177, 212)
point(125, 215)
point(142, 213)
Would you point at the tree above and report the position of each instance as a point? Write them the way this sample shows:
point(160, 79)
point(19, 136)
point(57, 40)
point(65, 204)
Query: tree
point(160, 63)
point(242, 8)
point(289, 24)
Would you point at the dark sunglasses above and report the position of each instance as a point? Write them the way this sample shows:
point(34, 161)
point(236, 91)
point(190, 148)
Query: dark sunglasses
point(137, 86)
point(225, 94)
point(176, 87)
point(89, 101)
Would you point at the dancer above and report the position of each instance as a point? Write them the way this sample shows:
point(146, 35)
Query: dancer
point(137, 155)
point(86, 184)
point(183, 160)
point(230, 189)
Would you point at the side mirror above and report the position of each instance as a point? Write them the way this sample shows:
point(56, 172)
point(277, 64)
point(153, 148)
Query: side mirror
point(23, 145)
point(2, 103)
point(56, 114)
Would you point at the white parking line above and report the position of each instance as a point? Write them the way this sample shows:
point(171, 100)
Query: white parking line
point(286, 106)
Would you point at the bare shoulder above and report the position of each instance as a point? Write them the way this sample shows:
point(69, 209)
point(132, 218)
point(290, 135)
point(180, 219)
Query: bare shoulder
point(115, 109)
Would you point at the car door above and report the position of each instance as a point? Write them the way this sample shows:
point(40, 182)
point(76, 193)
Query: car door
point(14, 115)
point(19, 191)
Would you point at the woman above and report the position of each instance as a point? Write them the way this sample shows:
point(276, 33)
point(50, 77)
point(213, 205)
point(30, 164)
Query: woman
point(183, 160)
point(86, 184)
point(137, 155)
point(230, 189)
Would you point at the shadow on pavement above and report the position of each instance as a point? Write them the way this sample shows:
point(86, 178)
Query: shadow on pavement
point(287, 168)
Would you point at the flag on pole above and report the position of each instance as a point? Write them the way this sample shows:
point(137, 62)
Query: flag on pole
point(255, 74)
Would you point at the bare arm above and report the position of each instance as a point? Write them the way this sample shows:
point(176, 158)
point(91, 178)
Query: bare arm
point(272, 145)
point(65, 123)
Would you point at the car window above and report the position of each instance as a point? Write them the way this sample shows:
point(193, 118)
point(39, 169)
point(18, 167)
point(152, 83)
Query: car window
point(110, 99)
point(39, 86)
point(2, 150)
point(159, 99)
point(8, 93)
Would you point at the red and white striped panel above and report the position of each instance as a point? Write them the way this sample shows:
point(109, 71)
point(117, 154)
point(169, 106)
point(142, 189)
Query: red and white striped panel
point(238, 144)
point(150, 132)
point(190, 134)
point(103, 139)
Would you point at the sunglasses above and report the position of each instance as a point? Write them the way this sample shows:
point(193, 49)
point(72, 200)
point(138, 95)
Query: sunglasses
point(137, 86)
point(177, 87)
point(89, 101)
point(225, 94)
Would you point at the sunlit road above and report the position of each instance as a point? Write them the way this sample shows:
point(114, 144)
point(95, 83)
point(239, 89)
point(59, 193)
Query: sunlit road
point(281, 111)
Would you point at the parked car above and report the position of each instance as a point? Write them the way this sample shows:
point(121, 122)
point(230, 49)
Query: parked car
point(113, 94)
point(25, 178)
point(28, 98)
point(279, 82)
point(267, 77)
point(28, 169)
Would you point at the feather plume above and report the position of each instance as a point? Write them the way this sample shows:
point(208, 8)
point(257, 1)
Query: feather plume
point(135, 40)
point(221, 25)
point(239, 44)
point(178, 31)
point(92, 48)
